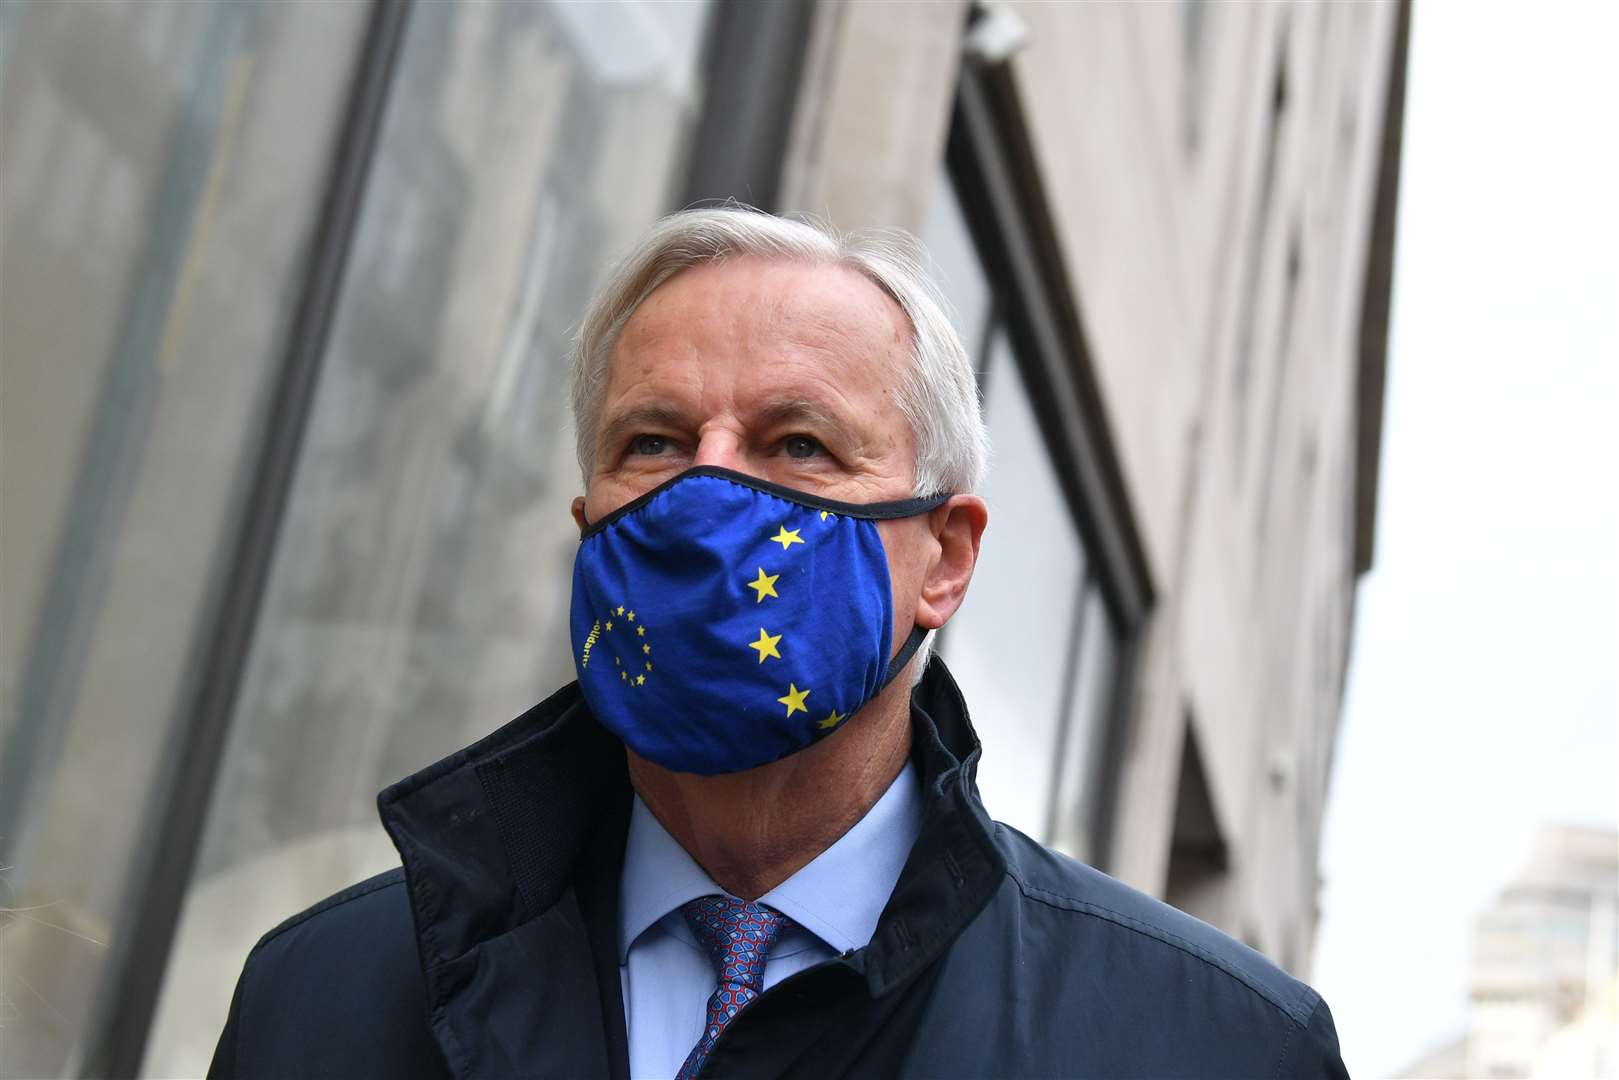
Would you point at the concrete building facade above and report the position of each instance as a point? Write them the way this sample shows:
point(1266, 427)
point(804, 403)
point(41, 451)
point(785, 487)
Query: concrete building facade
point(1218, 185)
point(286, 461)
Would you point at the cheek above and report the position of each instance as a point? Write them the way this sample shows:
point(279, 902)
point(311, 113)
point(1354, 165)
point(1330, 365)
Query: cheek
point(903, 542)
point(606, 495)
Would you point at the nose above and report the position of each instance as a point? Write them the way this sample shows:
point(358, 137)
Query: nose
point(719, 446)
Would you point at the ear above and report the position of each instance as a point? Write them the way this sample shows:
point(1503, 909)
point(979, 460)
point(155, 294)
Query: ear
point(579, 513)
point(957, 527)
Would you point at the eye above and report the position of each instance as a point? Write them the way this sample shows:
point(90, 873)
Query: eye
point(649, 445)
point(800, 446)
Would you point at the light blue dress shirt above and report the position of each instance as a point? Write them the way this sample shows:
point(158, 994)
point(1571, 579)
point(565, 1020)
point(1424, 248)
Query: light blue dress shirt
point(834, 901)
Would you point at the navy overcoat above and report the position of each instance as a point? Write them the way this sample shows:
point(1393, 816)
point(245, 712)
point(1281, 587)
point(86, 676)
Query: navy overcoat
point(493, 953)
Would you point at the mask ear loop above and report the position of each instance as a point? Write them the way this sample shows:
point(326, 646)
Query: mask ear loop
point(913, 642)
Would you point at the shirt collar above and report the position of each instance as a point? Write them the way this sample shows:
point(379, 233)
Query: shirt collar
point(658, 876)
point(838, 896)
point(530, 823)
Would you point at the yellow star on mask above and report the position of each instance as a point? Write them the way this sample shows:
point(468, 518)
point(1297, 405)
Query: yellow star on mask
point(766, 645)
point(640, 679)
point(787, 537)
point(646, 648)
point(640, 631)
point(609, 624)
point(764, 585)
point(825, 514)
point(794, 699)
point(620, 610)
point(630, 616)
point(833, 720)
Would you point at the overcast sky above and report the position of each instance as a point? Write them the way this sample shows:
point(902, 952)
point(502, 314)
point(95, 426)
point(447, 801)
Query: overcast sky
point(1483, 698)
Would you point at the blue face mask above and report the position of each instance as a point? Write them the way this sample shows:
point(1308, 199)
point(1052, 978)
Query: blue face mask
point(721, 622)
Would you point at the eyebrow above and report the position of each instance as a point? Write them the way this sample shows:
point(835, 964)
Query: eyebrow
point(631, 421)
point(786, 411)
point(800, 411)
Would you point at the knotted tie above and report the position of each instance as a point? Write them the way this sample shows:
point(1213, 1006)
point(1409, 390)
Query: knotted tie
point(737, 934)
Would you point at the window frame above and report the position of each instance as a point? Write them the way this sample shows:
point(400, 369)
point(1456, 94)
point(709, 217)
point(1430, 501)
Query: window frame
point(990, 162)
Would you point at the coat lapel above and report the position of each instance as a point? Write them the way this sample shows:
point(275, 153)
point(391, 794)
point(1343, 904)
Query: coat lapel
point(511, 850)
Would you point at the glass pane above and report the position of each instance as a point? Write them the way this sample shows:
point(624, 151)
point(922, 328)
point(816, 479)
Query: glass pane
point(1096, 661)
point(1009, 646)
point(956, 266)
point(419, 597)
point(161, 165)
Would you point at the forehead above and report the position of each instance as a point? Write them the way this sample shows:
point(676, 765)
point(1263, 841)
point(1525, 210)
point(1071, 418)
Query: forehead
point(750, 328)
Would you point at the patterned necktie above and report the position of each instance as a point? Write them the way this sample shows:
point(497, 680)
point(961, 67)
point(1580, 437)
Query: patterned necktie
point(737, 934)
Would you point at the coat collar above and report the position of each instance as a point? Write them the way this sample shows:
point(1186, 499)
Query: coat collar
point(527, 825)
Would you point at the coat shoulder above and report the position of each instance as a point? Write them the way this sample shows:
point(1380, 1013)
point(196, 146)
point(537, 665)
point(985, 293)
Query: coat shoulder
point(1063, 885)
point(1116, 984)
point(1228, 992)
point(339, 976)
point(361, 902)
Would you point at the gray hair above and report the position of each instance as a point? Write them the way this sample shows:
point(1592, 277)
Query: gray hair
point(938, 396)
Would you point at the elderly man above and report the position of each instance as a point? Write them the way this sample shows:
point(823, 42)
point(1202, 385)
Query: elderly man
point(748, 842)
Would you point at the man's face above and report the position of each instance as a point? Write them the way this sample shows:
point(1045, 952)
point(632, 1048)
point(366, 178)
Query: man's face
point(779, 370)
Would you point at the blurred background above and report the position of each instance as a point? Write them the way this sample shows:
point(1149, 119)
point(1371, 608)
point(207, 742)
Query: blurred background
point(1296, 332)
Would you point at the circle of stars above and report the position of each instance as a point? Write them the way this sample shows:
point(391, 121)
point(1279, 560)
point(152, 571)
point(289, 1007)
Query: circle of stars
point(638, 648)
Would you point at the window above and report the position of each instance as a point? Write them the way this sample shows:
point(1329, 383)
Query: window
point(161, 166)
point(419, 593)
point(1035, 647)
point(1010, 646)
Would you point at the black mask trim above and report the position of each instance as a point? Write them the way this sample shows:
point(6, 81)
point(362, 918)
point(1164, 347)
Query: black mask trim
point(877, 511)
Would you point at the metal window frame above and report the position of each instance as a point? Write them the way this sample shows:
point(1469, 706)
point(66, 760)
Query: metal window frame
point(754, 60)
point(991, 161)
point(161, 871)
point(1376, 300)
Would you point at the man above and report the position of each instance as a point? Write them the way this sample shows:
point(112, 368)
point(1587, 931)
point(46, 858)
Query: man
point(747, 842)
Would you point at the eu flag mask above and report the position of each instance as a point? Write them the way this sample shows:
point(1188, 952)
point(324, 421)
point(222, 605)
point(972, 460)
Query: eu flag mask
point(721, 622)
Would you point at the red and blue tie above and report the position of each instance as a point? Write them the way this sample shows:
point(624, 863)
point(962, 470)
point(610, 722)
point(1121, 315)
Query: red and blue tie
point(738, 935)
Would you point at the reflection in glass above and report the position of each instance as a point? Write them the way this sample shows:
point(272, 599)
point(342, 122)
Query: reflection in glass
point(161, 165)
point(419, 596)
